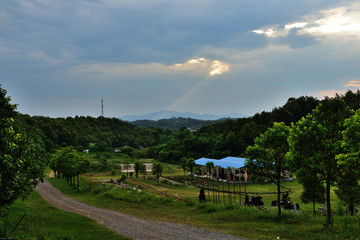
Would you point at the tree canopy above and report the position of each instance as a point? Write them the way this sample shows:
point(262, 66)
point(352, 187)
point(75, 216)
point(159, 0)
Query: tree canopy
point(21, 158)
point(267, 157)
point(68, 163)
point(315, 141)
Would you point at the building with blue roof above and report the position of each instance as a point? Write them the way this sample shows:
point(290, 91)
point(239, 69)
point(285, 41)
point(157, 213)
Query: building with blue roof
point(233, 162)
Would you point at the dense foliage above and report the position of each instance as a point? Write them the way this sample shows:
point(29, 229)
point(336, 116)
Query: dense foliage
point(230, 137)
point(82, 131)
point(68, 163)
point(21, 158)
point(267, 156)
point(176, 123)
point(315, 141)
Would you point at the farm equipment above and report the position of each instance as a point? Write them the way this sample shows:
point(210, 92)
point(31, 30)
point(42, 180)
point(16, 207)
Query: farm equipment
point(255, 201)
point(285, 202)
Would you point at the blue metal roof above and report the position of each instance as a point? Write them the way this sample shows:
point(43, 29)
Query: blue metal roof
point(203, 161)
point(224, 162)
point(237, 160)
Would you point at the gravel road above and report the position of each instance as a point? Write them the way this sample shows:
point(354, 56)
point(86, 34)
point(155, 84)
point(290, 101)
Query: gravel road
point(127, 225)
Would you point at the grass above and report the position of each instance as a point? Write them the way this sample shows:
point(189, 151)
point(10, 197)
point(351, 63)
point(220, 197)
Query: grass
point(45, 222)
point(113, 161)
point(233, 219)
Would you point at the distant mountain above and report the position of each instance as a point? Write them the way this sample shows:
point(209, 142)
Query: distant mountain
point(176, 123)
point(172, 114)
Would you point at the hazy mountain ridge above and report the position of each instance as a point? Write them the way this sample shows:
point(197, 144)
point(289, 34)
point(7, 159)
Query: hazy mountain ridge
point(173, 114)
point(176, 123)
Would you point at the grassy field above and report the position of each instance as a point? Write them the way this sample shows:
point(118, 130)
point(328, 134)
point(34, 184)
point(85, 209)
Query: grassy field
point(234, 219)
point(248, 222)
point(45, 222)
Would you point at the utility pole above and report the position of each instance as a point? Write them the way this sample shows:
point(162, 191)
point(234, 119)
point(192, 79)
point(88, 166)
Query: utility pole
point(102, 107)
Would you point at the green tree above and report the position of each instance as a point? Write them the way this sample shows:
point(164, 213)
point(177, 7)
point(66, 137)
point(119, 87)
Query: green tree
point(143, 169)
point(82, 165)
point(21, 161)
point(209, 166)
point(157, 170)
point(137, 167)
point(315, 141)
point(348, 183)
point(267, 157)
point(183, 164)
point(349, 189)
point(314, 190)
point(350, 156)
point(190, 164)
point(69, 164)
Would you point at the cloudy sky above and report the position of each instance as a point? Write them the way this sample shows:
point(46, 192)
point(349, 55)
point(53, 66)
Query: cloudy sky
point(59, 58)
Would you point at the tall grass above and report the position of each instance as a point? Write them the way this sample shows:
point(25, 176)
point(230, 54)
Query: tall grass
point(44, 222)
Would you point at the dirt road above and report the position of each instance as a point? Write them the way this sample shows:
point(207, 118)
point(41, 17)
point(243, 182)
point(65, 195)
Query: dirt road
point(127, 225)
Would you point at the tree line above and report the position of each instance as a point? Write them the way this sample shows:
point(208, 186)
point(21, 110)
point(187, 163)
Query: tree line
point(331, 141)
point(69, 164)
point(81, 132)
point(322, 148)
point(176, 123)
point(230, 137)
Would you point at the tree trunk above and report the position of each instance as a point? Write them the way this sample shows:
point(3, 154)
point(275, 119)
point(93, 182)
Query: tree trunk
point(314, 210)
point(278, 193)
point(351, 208)
point(78, 183)
point(328, 206)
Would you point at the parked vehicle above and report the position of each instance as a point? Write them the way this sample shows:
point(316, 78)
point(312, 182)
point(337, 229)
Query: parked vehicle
point(285, 202)
point(255, 201)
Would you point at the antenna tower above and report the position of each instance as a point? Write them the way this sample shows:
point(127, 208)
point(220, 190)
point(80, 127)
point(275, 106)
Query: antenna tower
point(102, 107)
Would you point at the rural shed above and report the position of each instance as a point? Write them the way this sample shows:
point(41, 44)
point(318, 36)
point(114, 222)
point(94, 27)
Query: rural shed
point(233, 162)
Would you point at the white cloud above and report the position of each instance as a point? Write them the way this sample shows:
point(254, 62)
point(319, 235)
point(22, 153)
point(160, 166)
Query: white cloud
point(345, 19)
point(353, 84)
point(195, 66)
point(342, 19)
point(212, 67)
point(330, 93)
point(295, 25)
point(268, 32)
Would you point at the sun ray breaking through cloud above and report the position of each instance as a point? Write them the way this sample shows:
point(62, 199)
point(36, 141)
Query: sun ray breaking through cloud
point(215, 68)
point(343, 19)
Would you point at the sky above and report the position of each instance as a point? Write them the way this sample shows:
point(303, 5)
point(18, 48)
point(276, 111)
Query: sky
point(60, 58)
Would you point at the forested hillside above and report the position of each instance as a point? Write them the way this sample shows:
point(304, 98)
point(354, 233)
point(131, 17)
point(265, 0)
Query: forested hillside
point(228, 137)
point(176, 123)
point(231, 137)
point(81, 131)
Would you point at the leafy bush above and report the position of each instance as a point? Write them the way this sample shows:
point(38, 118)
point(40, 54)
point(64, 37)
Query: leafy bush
point(129, 195)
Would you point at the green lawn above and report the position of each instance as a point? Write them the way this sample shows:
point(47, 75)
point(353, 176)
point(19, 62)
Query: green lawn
point(43, 221)
point(234, 219)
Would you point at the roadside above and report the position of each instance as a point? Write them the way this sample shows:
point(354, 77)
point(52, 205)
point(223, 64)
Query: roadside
point(127, 225)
